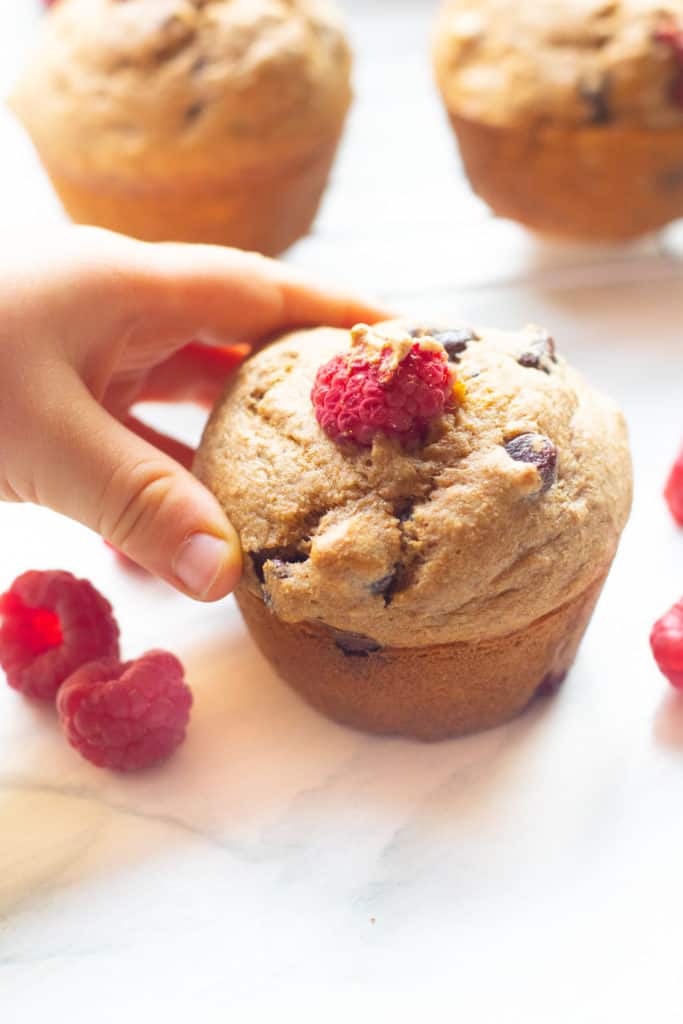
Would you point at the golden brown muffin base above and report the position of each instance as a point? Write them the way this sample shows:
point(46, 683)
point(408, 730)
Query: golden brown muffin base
point(427, 693)
point(602, 183)
point(262, 212)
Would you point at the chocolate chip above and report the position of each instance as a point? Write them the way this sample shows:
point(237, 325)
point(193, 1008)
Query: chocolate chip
point(282, 558)
point(193, 112)
point(355, 645)
point(389, 585)
point(550, 684)
point(405, 510)
point(594, 91)
point(455, 342)
point(540, 351)
point(539, 452)
point(382, 585)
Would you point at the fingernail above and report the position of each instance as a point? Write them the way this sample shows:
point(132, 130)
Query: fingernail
point(200, 561)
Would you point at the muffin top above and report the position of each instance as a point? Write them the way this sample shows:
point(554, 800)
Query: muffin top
point(509, 507)
point(189, 87)
point(570, 62)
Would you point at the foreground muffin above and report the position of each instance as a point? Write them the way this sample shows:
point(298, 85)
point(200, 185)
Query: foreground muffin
point(569, 114)
point(189, 120)
point(424, 541)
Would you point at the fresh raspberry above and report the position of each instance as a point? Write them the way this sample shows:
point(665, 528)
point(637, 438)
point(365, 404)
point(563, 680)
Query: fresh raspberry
point(377, 388)
point(671, 34)
point(126, 716)
point(52, 623)
point(666, 640)
point(673, 492)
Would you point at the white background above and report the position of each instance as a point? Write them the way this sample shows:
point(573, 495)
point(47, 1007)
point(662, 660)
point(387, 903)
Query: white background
point(280, 865)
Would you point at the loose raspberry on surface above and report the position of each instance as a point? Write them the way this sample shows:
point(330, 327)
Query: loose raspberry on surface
point(673, 492)
point(126, 716)
point(666, 640)
point(51, 624)
point(384, 386)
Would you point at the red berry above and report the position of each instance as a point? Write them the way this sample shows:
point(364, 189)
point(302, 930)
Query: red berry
point(126, 716)
point(51, 624)
point(666, 640)
point(673, 492)
point(377, 389)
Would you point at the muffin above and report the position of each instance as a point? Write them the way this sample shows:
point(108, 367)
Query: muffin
point(189, 120)
point(428, 516)
point(569, 114)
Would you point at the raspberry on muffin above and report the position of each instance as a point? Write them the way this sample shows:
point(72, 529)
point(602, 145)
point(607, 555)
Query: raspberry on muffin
point(569, 116)
point(389, 388)
point(430, 575)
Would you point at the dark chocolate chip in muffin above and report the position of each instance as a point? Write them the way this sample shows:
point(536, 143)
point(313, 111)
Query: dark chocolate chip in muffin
point(193, 112)
point(282, 558)
point(355, 645)
point(540, 452)
point(383, 585)
point(390, 584)
point(594, 91)
point(455, 342)
point(404, 510)
point(539, 353)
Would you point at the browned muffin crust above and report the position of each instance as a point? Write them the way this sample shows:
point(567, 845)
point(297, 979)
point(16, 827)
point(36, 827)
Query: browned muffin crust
point(426, 693)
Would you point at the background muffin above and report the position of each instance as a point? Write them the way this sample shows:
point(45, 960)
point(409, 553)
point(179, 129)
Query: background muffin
point(193, 120)
point(569, 113)
point(432, 587)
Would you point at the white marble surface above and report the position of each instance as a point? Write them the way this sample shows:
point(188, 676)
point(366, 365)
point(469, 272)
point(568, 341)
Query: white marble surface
point(281, 867)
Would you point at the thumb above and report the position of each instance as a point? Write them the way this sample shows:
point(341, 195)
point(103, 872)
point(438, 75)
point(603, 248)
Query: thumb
point(93, 469)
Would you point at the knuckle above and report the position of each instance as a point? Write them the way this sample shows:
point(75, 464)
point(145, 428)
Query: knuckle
point(135, 501)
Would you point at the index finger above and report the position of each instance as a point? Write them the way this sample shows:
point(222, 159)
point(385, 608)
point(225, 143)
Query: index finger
point(227, 296)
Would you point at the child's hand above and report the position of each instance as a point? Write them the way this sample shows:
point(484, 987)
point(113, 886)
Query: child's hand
point(90, 324)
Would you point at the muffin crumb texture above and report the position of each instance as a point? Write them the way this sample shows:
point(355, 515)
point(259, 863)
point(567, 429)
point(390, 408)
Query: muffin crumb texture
point(510, 510)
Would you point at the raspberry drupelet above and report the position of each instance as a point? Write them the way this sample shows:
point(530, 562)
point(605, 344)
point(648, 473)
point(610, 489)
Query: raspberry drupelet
point(126, 716)
point(51, 623)
point(395, 387)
